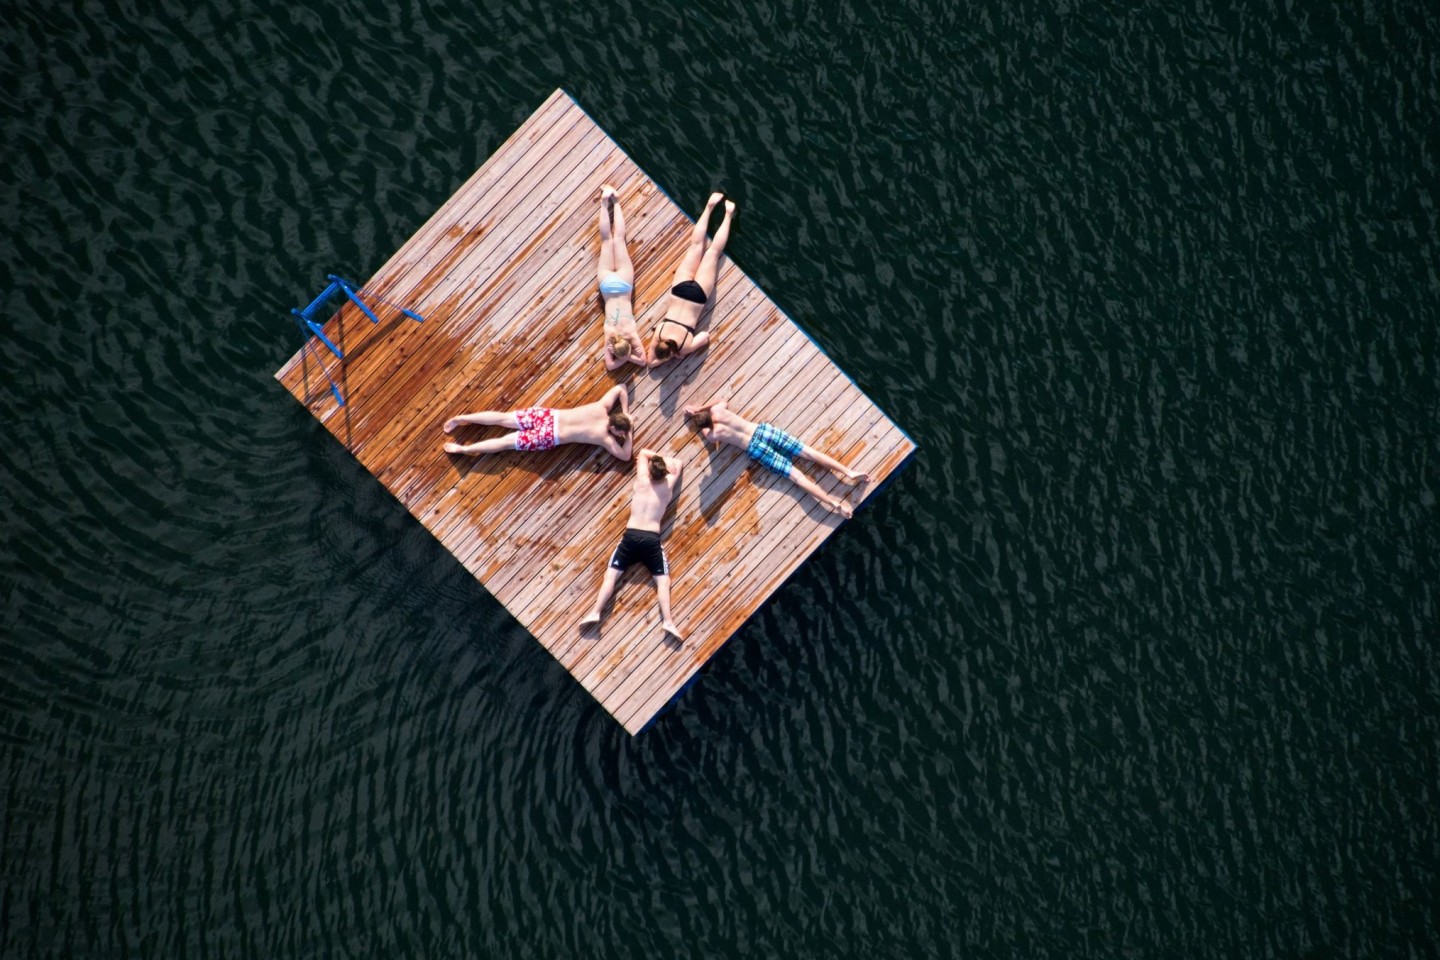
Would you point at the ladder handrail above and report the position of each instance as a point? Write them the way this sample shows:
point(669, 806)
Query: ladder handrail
point(306, 321)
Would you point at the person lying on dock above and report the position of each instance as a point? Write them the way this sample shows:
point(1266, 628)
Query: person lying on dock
point(656, 480)
point(774, 449)
point(617, 282)
point(604, 423)
point(675, 335)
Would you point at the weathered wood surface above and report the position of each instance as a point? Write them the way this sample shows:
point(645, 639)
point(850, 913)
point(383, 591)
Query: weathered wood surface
point(504, 273)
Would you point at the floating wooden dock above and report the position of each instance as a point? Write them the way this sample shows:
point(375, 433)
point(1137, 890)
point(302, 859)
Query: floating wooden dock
point(504, 274)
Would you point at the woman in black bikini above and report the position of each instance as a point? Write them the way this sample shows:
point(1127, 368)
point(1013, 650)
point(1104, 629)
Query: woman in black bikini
point(694, 283)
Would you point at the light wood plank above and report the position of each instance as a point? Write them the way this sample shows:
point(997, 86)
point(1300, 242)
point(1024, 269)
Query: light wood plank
point(554, 115)
point(505, 274)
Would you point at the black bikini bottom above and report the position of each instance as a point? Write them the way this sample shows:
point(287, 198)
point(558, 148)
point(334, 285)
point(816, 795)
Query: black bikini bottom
point(689, 290)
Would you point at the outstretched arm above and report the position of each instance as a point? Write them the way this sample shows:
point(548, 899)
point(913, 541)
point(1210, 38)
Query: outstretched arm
point(691, 411)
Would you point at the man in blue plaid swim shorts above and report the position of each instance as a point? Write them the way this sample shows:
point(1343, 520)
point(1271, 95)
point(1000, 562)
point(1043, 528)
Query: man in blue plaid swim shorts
point(774, 449)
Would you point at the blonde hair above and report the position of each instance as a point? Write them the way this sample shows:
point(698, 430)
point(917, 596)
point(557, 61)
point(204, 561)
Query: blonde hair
point(620, 347)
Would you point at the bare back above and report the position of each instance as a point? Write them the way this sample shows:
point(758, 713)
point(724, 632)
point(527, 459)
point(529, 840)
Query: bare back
point(729, 427)
point(583, 424)
point(685, 311)
point(649, 499)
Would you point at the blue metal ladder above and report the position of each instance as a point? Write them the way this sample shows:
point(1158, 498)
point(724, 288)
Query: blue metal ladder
point(306, 320)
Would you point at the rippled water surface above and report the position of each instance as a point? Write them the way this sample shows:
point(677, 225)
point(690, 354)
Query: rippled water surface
point(1138, 658)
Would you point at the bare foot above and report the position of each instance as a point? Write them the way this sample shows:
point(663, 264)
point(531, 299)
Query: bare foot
point(593, 620)
point(606, 191)
point(715, 198)
point(453, 447)
point(840, 507)
point(729, 208)
point(853, 477)
point(453, 424)
point(669, 627)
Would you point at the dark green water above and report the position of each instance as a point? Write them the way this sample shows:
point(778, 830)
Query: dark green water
point(1137, 659)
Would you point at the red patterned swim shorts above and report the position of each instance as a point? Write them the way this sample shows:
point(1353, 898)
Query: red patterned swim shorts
point(537, 429)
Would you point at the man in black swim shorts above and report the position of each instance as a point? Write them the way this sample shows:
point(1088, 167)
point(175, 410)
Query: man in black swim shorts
point(656, 480)
point(640, 546)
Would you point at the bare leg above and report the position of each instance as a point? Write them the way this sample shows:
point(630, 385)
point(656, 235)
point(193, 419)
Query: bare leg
point(662, 592)
point(621, 253)
point(833, 504)
point(834, 466)
point(485, 418)
point(492, 445)
point(710, 263)
point(607, 252)
point(696, 249)
point(607, 589)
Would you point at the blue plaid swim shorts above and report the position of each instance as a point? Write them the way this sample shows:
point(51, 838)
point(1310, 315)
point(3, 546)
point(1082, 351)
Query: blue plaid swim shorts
point(774, 448)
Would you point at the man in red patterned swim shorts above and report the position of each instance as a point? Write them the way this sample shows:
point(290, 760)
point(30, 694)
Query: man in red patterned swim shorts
point(604, 423)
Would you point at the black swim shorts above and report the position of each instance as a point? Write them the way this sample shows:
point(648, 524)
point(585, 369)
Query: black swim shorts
point(640, 546)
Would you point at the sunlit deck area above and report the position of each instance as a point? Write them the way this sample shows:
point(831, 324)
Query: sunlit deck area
point(504, 274)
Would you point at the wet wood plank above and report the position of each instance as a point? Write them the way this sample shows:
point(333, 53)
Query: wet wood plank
point(504, 273)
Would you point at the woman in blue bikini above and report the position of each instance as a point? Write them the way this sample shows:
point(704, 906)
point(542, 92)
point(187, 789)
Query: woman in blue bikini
point(617, 282)
point(694, 284)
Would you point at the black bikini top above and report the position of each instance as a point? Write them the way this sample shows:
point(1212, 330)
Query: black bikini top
point(689, 330)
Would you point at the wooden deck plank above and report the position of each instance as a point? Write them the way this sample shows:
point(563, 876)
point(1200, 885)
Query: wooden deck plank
point(500, 571)
point(565, 375)
point(379, 382)
point(553, 117)
point(483, 236)
point(756, 567)
point(504, 339)
point(563, 599)
point(505, 275)
point(462, 275)
point(439, 392)
point(537, 382)
point(554, 601)
point(722, 538)
point(749, 576)
point(773, 334)
point(409, 442)
point(513, 500)
point(446, 279)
